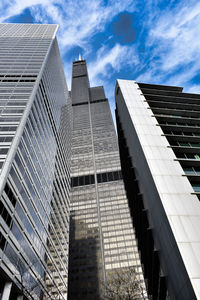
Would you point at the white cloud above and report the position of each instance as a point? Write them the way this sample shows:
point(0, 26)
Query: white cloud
point(78, 20)
point(148, 76)
point(13, 8)
point(116, 58)
point(174, 45)
point(107, 62)
point(81, 20)
point(192, 89)
point(183, 77)
point(180, 34)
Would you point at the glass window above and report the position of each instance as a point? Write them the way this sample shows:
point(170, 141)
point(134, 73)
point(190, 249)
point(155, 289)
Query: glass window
point(196, 187)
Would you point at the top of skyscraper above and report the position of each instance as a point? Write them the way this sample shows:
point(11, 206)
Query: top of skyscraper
point(81, 91)
point(28, 30)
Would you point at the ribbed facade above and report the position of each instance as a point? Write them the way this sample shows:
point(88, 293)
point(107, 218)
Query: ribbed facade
point(158, 131)
point(34, 155)
point(178, 115)
point(101, 234)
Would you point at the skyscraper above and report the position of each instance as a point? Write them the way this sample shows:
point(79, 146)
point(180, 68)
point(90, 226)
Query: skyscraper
point(101, 232)
point(34, 155)
point(158, 130)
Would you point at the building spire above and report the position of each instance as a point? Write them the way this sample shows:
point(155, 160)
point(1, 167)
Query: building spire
point(79, 58)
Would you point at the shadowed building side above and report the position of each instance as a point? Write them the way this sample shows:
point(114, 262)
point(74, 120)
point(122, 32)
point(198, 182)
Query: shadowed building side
point(158, 131)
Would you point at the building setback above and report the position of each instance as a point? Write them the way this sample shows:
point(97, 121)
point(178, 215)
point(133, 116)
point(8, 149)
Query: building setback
point(159, 141)
point(34, 155)
point(101, 233)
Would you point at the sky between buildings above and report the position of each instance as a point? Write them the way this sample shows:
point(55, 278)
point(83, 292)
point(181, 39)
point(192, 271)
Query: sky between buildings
point(148, 41)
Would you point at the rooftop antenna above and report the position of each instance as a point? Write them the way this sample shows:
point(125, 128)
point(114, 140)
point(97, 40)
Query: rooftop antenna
point(79, 58)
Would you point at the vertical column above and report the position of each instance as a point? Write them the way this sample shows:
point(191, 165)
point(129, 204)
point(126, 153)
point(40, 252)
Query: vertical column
point(6, 291)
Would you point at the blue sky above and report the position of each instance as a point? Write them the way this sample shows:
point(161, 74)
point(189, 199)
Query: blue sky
point(145, 40)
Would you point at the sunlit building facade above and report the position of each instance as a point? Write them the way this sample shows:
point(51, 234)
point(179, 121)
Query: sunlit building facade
point(101, 233)
point(34, 162)
point(159, 141)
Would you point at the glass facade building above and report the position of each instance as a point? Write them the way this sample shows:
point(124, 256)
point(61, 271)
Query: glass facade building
point(159, 141)
point(102, 237)
point(34, 161)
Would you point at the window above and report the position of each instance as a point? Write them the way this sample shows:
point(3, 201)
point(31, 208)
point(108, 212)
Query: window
point(82, 180)
point(5, 214)
point(2, 241)
point(109, 176)
point(196, 187)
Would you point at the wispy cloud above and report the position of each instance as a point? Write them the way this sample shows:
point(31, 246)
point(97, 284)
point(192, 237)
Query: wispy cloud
point(166, 49)
point(179, 35)
point(194, 89)
point(78, 20)
point(11, 8)
point(78, 23)
point(113, 59)
point(174, 45)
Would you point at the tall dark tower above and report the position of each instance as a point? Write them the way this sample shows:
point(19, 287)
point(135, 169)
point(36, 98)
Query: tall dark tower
point(101, 234)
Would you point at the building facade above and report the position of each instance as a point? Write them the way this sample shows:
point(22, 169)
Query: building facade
point(101, 233)
point(159, 141)
point(34, 161)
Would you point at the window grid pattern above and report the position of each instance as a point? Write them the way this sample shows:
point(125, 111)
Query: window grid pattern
point(22, 52)
point(35, 218)
point(100, 223)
